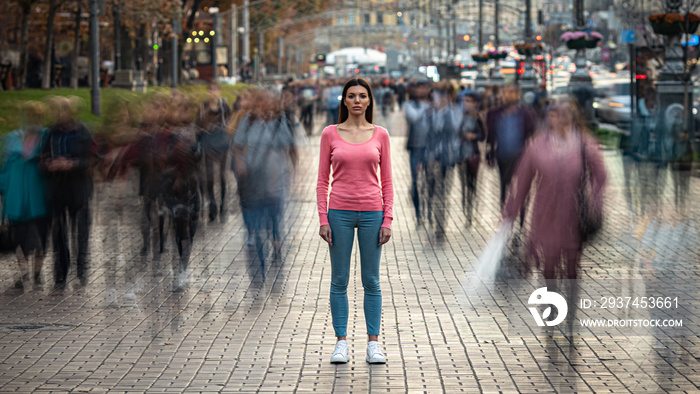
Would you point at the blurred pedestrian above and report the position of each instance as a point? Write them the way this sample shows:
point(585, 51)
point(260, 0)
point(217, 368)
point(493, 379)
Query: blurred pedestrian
point(471, 132)
point(492, 98)
point(417, 111)
point(249, 117)
point(509, 128)
point(212, 121)
point(307, 99)
point(115, 193)
point(23, 188)
point(180, 186)
point(443, 152)
point(267, 138)
point(334, 93)
point(66, 158)
point(648, 112)
point(386, 98)
point(148, 155)
point(400, 89)
point(355, 149)
point(555, 158)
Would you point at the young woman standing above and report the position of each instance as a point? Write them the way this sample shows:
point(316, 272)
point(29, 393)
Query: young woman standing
point(355, 149)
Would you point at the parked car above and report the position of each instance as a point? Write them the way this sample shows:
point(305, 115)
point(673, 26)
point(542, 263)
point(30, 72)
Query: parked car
point(614, 106)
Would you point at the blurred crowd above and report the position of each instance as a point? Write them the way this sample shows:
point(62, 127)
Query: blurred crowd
point(180, 151)
point(547, 160)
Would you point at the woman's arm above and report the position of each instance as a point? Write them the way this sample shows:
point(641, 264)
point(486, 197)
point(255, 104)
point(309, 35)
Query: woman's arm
point(387, 182)
point(324, 173)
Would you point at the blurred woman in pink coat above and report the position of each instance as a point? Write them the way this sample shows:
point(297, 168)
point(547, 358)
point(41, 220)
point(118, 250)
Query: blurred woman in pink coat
point(554, 161)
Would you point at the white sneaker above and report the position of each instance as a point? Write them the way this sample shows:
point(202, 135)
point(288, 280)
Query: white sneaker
point(374, 353)
point(340, 354)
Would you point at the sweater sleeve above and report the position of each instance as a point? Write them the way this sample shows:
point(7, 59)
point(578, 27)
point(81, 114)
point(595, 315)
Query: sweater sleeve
point(387, 182)
point(324, 173)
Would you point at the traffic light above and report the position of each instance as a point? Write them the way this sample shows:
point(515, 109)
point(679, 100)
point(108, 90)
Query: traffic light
point(538, 37)
point(321, 58)
point(467, 37)
point(520, 71)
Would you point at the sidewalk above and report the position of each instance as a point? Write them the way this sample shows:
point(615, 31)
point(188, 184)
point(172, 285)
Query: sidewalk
point(241, 327)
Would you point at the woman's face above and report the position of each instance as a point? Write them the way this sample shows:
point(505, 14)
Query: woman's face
point(357, 100)
point(558, 121)
point(554, 120)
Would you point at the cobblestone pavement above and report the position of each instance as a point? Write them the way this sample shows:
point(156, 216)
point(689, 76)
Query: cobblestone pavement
point(241, 326)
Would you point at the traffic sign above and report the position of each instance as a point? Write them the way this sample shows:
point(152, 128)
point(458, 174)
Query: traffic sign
point(627, 37)
point(694, 41)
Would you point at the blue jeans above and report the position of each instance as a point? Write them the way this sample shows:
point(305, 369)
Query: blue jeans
point(343, 224)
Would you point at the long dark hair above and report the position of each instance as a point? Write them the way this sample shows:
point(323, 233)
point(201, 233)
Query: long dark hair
point(344, 109)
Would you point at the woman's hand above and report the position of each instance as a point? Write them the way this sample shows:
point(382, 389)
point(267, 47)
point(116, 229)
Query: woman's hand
point(384, 235)
point(326, 234)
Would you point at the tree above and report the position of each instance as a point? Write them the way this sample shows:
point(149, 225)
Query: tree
point(76, 46)
point(48, 58)
point(26, 7)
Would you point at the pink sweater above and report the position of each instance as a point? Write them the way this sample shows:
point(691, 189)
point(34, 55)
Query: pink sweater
point(355, 185)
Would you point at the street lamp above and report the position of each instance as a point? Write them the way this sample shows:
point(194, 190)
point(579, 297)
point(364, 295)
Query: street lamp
point(95, 94)
point(527, 81)
point(214, 11)
point(581, 84)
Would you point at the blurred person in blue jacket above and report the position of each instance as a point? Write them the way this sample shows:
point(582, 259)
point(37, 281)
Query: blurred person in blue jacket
point(265, 150)
point(23, 188)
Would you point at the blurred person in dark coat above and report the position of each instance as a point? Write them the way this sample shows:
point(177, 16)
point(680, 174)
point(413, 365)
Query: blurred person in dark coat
point(147, 154)
point(66, 158)
point(181, 181)
point(509, 128)
point(471, 132)
point(212, 121)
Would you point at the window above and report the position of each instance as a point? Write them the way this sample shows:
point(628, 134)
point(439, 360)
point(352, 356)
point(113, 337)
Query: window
point(367, 18)
point(380, 18)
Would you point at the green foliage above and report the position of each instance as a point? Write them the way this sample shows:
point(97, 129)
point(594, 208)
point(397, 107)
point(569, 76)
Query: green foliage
point(9, 101)
point(608, 137)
